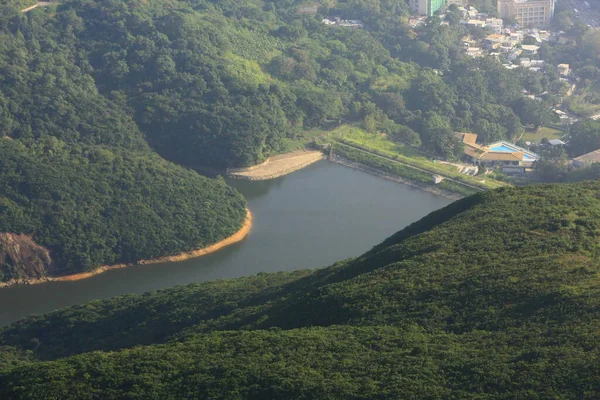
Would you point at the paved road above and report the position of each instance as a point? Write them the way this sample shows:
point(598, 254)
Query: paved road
point(590, 15)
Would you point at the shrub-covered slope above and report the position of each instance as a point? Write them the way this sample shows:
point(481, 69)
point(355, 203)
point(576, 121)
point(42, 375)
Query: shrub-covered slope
point(226, 84)
point(76, 174)
point(495, 296)
point(93, 206)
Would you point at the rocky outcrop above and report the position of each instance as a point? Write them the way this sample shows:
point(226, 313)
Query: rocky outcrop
point(22, 259)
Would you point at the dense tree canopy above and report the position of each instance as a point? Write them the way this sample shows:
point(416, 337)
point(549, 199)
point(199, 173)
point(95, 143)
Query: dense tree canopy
point(221, 84)
point(93, 206)
point(214, 84)
point(484, 299)
point(584, 137)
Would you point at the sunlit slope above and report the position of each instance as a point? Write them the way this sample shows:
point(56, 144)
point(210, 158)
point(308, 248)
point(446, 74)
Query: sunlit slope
point(495, 296)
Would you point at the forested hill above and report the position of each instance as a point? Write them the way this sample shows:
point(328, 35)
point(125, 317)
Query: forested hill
point(227, 83)
point(493, 297)
point(78, 181)
point(89, 90)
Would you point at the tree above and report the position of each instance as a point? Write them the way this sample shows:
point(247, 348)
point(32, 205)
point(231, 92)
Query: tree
point(590, 45)
point(489, 132)
point(437, 136)
point(584, 137)
point(549, 170)
point(531, 112)
point(563, 20)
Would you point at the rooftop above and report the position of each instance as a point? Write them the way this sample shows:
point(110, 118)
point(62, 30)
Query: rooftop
point(556, 142)
point(592, 157)
point(498, 151)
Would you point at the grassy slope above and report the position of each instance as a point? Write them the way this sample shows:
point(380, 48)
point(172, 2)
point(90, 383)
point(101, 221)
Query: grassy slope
point(387, 147)
point(19, 4)
point(541, 133)
point(495, 296)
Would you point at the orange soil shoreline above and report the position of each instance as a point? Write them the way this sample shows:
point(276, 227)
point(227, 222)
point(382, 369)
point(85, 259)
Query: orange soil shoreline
point(236, 237)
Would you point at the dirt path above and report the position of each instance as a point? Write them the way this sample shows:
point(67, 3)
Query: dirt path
point(236, 237)
point(39, 4)
point(282, 164)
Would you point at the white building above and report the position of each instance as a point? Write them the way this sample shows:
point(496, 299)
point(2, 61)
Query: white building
point(563, 69)
point(494, 24)
point(527, 12)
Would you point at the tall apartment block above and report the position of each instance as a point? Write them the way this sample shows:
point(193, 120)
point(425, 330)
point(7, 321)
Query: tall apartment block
point(528, 13)
point(426, 7)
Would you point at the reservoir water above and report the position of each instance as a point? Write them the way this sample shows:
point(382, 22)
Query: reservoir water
point(309, 219)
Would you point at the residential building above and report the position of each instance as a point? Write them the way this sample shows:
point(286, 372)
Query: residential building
point(538, 63)
point(426, 7)
point(343, 22)
point(474, 52)
point(495, 24)
point(506, 46)
point(516, 36)
point(530, 49)
point(476, 22)
point(514, 54)
point(587, 159)
point(525, 62)
point(493, 41)
point(527, 12)
point(509, 157)
point(472, 12)
point(563, 69)
point(556, 142)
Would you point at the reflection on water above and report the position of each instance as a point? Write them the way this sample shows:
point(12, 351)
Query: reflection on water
point(309, 219)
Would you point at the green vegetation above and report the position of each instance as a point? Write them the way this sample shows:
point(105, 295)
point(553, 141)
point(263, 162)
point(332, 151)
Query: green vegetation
point(213, 84)
point(396, 168)
point(584, 137)
point(493, 297)
point(541, 133)
point(581, 105)
point(96, 205)
point(580, 51)
point(209, 85)
point(18, 4)
point(76, 173)
point(382, 145)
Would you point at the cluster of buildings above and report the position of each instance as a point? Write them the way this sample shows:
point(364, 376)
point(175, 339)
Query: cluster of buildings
point(507, 44)
point(511, 158)
point(527, 13)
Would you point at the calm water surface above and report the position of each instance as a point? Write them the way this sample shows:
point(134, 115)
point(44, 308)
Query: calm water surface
point(309, 219)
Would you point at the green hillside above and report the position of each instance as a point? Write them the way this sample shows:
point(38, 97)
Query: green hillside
point(493, 297)
point(77, 175)
point(92, 91)
point(94, 205)
point(226, 84)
